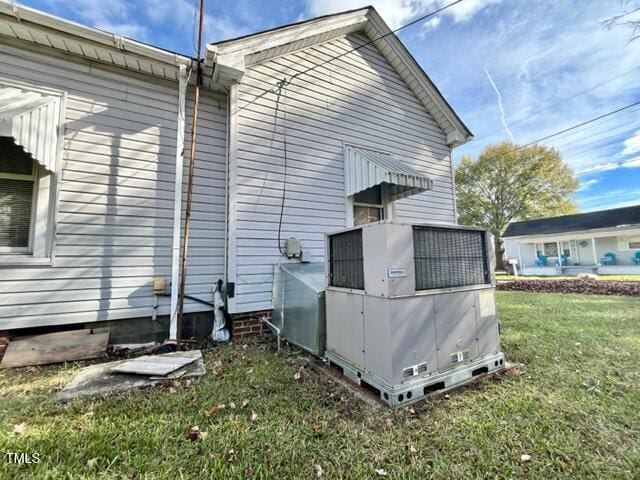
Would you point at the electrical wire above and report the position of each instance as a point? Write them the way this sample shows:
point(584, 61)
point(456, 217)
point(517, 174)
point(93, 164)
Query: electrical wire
point(553, 105)
point(283, 88)
point(568, 129)
point(355, 49)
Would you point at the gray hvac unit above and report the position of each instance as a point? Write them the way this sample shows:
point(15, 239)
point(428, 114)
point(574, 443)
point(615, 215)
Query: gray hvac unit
point(410, 309)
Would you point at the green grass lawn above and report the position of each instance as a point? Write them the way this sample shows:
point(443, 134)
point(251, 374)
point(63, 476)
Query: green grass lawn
point(575, 411)
point(618, 277)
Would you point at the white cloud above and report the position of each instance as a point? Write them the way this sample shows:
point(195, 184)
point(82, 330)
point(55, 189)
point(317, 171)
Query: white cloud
point(633, 163)
point(587, 184)
point(632, 144)
point(432, 23)
point(603, 167)
point(114, 16)
point(400, 12)
point(465, 10)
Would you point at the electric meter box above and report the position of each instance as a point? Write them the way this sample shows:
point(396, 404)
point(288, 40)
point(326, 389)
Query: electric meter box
point(410, 308)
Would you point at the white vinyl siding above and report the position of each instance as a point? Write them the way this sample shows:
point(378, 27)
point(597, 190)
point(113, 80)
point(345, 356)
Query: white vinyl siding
point(115, 203)
point(358, 99)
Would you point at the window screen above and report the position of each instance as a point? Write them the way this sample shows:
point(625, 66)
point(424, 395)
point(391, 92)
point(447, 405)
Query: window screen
point(16, 195)
point(449, 257)
point(345, 260)
point(15, 212)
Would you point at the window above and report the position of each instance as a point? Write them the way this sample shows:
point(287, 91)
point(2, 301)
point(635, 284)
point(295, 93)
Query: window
point(27, 195)
point(566, 249)
point(17, 193)
point(548, 249)
point(368, 206)
point(634, 242)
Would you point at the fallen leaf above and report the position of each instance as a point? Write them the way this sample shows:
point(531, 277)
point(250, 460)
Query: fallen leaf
point(250, 371)
point(389, 422)
point(19, 428)
point(254, 416)
point(319, 471)
point(381, 472)
point(195, 434)
point(447, 397)
point(297, 375)
point(525, 458)
point(216, 368)
point(413, 449)
point(248, 471)
point(215, 409)
point(244, 403)
point(232, 405)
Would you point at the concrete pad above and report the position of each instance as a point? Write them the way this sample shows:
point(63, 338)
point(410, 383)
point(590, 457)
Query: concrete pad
point(157, 365)
point(100, 379)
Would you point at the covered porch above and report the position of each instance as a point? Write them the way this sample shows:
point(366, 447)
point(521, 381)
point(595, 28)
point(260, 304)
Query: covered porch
point(605, 252)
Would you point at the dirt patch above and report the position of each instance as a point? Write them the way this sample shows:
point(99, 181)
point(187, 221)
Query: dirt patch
point(589, 287)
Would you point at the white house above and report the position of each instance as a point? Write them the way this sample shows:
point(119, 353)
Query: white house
point(303, 130)
point(606, 242)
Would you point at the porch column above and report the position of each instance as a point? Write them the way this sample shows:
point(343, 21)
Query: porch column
point(559, 255)
point(595, 253)
point(520, 256)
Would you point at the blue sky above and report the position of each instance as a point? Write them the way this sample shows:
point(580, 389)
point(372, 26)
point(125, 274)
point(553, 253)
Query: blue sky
point(530, 55)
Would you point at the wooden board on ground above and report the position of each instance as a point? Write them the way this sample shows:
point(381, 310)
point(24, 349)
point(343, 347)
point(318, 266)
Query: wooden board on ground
point(158, 365)
point(56, 347)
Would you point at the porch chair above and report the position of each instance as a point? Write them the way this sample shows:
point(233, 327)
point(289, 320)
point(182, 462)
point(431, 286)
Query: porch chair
point(541, 261)
point(563, 262)
point(636, 258)
point(608, 259)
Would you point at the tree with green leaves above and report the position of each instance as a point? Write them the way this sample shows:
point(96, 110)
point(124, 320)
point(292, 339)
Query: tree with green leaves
point(509, 183)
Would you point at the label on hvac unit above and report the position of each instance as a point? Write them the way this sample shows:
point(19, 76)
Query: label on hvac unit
point(487, 302)
point(397, 272)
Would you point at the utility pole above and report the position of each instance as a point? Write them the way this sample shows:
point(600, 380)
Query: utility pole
point(192, 161)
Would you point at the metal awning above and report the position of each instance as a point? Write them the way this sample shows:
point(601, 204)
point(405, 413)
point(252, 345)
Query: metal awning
point(32, 119)
point(366, 168)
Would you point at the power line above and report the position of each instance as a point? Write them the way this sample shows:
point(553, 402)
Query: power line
point(553, 105)
point(609, 166)
point(608, 130)
point(587, 122)
point(598, 143)
point(278, 86)
point(571, 128)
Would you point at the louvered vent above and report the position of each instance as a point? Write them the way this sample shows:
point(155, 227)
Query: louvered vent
point(449, 257)
point(345, 260)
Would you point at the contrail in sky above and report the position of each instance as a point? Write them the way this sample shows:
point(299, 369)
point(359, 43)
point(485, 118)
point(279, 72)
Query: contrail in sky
point(502, 114)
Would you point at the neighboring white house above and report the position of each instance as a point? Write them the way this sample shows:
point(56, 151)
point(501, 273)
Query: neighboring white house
point(92, 126)
point(606, 242)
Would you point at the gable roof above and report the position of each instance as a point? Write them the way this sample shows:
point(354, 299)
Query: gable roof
point(226, 61)
point(613, 218)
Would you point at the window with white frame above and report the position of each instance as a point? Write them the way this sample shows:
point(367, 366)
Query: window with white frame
point(548, 249)
point(634, 243)
point(26, 200)
point(17, 197)
point(566, 249)
point(368, 206)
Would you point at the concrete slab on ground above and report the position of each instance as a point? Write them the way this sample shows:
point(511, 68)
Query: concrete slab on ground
point(101, 379)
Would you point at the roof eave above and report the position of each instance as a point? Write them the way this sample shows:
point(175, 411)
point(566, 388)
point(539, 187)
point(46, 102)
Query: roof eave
point(18, 16)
